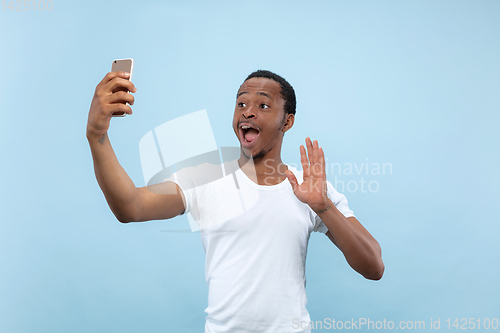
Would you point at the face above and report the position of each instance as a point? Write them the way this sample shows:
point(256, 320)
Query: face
point(259, 117)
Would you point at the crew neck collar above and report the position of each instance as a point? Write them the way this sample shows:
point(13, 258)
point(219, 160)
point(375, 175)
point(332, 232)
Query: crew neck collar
point(278, 186)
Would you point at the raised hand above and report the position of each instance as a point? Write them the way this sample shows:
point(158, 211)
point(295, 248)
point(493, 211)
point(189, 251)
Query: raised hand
point(313, 190)
point(110, 97)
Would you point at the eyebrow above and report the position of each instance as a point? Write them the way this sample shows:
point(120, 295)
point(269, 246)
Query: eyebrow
point(264, 94)
point(259, 93)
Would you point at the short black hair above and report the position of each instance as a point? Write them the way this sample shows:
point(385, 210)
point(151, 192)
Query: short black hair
point(287, 91)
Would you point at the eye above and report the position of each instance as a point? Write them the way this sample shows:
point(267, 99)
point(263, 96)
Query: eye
point(241, 105)
point(264, 106)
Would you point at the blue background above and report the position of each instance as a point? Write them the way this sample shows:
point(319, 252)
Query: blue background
point(410, 83)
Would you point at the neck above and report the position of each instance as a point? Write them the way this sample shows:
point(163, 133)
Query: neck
point(264, 170)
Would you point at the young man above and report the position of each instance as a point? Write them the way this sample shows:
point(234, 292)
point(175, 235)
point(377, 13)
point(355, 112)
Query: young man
point(255, 265)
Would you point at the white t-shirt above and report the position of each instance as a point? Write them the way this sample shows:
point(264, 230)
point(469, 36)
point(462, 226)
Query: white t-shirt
point(255, 238)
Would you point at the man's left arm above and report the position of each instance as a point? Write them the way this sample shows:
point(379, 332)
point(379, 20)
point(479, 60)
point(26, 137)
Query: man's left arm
point(360, 249)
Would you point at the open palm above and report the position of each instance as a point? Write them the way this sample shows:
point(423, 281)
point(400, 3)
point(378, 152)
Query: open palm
point(313, 190)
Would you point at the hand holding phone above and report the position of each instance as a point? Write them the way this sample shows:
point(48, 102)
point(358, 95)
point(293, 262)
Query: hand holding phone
point(122, 65)
point(112, 96)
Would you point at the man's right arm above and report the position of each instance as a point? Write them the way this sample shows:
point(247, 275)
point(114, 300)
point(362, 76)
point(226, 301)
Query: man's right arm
point(128, 203)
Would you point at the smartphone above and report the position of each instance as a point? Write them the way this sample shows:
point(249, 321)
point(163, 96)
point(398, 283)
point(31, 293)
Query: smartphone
point(122, 65)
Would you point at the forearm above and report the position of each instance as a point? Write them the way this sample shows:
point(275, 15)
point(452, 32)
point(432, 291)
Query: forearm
point(360, 249)
point(119, 190)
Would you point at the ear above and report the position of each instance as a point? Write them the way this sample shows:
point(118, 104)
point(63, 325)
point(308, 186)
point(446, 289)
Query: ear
point(288, 122)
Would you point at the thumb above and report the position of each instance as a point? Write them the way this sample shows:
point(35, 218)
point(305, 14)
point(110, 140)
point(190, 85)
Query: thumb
point(292, 179)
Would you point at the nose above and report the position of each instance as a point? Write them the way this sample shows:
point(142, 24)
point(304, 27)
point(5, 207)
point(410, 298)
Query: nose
point(249, 113)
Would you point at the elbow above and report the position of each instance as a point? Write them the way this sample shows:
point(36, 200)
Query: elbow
point(377, 267)
point(122, 219)
point(376, 272)
point(125, 210)
point(125, 217)
point(371, 270)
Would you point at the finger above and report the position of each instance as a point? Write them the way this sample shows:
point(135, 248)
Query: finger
point(117, 108)
point(303, 161)
point(319, 165)
point(118, 83)
point(314, 159)
point(322, 161)
point(309, 150)
point(119, 97)
point(292, 179)
point(111, 75)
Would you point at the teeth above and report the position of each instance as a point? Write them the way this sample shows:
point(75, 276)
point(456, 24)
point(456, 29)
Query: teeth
point(245, 127)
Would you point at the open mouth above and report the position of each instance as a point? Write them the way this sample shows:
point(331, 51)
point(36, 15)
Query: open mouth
point(248, 134)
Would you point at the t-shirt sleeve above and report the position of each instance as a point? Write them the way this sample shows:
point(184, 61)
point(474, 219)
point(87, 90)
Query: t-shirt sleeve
point(340, 201)
point(184, 180)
